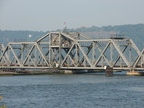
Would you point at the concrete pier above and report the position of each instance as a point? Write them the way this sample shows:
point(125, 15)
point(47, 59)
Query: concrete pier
point(109, 71)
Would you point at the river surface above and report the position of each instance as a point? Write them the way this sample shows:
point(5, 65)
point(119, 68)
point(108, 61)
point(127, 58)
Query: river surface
point(72, 91)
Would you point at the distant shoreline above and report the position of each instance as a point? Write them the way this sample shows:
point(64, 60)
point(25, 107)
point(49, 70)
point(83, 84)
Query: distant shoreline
point(34, 72)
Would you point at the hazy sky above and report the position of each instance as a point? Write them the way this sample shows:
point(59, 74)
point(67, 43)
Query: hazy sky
point(44, 15)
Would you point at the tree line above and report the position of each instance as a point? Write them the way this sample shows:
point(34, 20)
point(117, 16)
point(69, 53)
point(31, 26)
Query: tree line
point(133, 31)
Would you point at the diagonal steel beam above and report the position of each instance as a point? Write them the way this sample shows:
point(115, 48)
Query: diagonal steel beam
point(67, 54)
point(102, 54)
point(43, 37)
point(4, 53)
point(120, 52)
point(42, 54)
point(138, 59)
point(89, 49)
point(84, 54)
point(28, 55)
point(72, 60)
point(67, 36)
point(135, 47)
point(118, 57)
point(15, 55)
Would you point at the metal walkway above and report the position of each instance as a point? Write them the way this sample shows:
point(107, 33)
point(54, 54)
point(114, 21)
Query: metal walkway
point(72, 50)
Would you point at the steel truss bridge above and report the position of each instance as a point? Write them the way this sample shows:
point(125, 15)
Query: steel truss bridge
point(72, 51)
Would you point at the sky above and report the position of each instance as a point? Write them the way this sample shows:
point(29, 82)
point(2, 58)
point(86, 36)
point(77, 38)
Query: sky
point(46, 15)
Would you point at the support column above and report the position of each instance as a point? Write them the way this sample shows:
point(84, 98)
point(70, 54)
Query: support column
point(109, 71)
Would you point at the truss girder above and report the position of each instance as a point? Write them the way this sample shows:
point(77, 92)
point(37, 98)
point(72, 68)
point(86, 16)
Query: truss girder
point(71, 50)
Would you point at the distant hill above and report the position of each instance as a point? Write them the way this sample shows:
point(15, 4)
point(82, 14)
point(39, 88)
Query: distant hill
point(127, 30)
point(133, 31)
point(14, 36)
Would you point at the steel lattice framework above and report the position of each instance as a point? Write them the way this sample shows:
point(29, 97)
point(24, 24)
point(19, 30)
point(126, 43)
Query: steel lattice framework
point(72, 50)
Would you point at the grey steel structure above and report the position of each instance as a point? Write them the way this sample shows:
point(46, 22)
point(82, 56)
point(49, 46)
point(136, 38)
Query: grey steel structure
point(72, 51)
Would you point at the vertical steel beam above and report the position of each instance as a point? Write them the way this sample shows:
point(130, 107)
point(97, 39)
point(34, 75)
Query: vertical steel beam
point(60, 48)
point(93, 52)
point(111, 54)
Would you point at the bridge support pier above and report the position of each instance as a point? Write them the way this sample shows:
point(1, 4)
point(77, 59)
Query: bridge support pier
point(109, 71)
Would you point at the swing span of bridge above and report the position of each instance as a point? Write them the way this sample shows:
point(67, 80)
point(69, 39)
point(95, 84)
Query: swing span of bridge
point(72, 51)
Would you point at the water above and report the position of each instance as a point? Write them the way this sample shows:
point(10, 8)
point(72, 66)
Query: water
point(72, 91)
